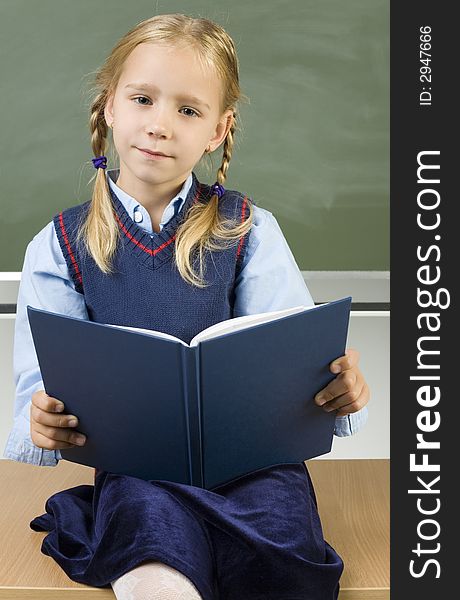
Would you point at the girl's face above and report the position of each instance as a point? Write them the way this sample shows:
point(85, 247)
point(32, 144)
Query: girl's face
point(164, 102)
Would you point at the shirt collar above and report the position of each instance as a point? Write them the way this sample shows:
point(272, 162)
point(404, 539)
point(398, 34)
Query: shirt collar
point(137, 212)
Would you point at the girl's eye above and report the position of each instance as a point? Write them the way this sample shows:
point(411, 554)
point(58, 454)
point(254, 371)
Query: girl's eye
point(138, 97)
point(194, 113)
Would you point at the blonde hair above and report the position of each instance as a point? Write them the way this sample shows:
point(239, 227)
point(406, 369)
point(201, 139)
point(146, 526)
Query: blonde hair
point(203, 229)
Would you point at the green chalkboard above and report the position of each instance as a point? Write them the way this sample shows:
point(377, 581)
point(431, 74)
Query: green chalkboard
point(315, 145)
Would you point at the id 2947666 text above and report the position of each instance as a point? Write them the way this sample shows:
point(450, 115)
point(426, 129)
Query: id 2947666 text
point(425, 68)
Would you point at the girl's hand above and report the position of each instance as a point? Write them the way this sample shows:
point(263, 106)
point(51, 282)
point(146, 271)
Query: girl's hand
point(348, 392)
point(49, 427)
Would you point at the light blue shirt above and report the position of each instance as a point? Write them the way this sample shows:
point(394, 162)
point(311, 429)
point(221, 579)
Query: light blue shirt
point(269, 280)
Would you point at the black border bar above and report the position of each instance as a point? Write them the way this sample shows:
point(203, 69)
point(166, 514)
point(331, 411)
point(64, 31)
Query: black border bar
point(424, 319)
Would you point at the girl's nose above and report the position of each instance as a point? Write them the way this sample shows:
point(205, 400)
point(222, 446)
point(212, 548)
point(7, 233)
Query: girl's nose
point(159, 125)
point(158, 130)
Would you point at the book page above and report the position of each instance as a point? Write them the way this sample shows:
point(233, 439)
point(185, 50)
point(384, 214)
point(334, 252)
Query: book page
point(159, 334)
point(239, 323)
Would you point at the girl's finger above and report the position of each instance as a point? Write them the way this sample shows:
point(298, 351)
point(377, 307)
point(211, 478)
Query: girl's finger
point(59, 434)
point(41, 400)
point(52, 419)
point(348, 361)
point(348, 397)
point(342, 384)
point(42, 441)
point(343, 400)
point(358, 404)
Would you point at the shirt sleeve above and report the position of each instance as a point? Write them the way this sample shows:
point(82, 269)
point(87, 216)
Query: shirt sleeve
point(270, 280)
point(45, 284)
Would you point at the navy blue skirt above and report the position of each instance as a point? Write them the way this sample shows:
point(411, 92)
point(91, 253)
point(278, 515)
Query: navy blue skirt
point(256, 537)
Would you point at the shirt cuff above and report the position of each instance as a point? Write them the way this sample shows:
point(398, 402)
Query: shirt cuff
point(19, 447)
point(350, 424)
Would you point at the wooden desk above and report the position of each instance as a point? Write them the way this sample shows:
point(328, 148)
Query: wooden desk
point(354, 506)
point(353, 499)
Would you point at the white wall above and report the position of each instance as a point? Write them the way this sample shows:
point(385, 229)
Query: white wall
point(6, 377)
point(369, 333)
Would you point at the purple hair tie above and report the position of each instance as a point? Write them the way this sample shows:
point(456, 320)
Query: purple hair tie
point(100, 162)
point(218, 189)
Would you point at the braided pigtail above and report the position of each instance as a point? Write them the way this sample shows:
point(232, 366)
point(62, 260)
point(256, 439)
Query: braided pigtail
point(100, 231)
point(204, 229)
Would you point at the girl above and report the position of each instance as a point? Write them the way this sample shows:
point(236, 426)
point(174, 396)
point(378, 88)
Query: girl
point(156, 248)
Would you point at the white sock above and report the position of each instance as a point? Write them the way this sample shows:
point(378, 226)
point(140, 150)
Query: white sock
point(154, 581)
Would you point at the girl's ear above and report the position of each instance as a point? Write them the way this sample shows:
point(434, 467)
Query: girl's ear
point(222, 129)
point(108, 111)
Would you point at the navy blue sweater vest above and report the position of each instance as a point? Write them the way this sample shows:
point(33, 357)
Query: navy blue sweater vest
point(146, 289)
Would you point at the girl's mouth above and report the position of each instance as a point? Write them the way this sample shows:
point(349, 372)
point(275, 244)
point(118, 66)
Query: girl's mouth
point(153, 156)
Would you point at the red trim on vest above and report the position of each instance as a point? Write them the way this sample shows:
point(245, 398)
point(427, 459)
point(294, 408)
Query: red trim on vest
point(141, 246)
point(144, 248)
point(242, 219)
point(69, 249)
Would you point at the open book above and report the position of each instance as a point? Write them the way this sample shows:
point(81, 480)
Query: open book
point(238, 398)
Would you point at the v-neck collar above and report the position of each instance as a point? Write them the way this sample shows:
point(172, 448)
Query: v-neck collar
point(153, 249)
point(138, 212)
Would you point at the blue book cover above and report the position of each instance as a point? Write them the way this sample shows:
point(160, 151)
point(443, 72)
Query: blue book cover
point(237, 399)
